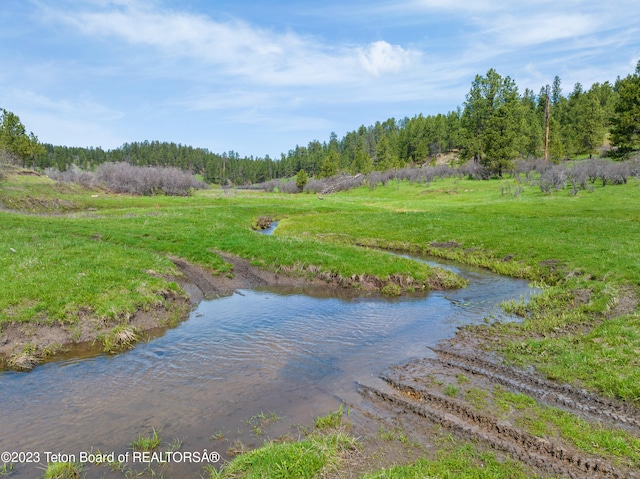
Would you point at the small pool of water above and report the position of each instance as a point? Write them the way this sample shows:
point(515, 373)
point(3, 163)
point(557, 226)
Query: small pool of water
point(257, 351)
point(269, 231)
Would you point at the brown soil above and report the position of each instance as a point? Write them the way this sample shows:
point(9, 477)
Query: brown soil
point(454, 392)
point(24, 345)
point(445, 244)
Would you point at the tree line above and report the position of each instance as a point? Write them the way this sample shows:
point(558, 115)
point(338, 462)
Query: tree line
point(495, 126)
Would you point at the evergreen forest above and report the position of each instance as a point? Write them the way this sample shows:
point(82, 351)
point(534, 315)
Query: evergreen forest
point(495, 126)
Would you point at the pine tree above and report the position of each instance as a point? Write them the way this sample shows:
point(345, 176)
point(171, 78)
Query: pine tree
point(301, 179)
point(330, 164)
point(492, 120)
point(625, 131)
point(15, 140)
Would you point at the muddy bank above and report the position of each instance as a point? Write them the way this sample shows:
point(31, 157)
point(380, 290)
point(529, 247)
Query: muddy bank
point(24, 345)
point(200, 283)
point(465, 391)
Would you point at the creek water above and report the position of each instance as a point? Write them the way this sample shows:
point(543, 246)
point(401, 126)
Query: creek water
point(297, 353)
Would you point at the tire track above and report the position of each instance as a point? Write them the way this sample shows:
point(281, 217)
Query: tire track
point(543, 454)
point(562, 395)
point(421, 400)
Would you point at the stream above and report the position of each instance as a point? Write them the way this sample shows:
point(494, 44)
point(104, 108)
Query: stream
point(297, 353)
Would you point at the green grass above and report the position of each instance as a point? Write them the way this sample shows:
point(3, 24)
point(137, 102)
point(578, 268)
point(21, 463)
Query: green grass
point(607, 358)
point(593, 438)
point(332, 420)
point(111, 261)
point(296, 460)
point(260, 421)
point(396, 434)
point(596, 232)
point(463, 463)
point(120, 338)
point(62, 470)
point(147, 443)
point(477, 398)
point(6, 470)
point(451, 390)
point(110, 256)
point(583, 250)
point(79, 254)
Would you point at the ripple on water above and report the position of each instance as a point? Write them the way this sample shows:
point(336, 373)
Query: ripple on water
point(235, 357)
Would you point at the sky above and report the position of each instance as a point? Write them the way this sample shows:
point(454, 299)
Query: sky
point(260, 78)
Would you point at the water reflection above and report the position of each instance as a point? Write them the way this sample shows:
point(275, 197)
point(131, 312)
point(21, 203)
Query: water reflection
point(274, 350)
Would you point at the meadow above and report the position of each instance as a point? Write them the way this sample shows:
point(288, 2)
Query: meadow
point(68, 253)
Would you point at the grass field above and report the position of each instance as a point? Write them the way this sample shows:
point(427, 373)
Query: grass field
point(584, 249)
point(106, 256)
point(68, 253)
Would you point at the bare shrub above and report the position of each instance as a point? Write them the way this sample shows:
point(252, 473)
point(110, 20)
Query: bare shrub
point(403, 173)
point(611, 172)
point(475, 171)
point(289, 187)
point(444, 171)
point(125, 178)
point(529, 167)
point(8, 158)
point(272, 185)
point(316, 185)
point(595, 169)
point(577, 176)
point(73, 175)
point(375, 178)
point(616, 173)
point(281, 185)
point(554, 178)
point(345, 183)
point(634, 166)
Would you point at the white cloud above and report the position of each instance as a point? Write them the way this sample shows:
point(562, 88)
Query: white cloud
point(77, 122)
point(463, 6)
point(381, 57)
point(234, 46)
point(83, 107)
point(522, 30)
point(160, 60)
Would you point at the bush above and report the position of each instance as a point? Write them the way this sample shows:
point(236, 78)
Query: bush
point(147, 181)
point(316, 186)
point(615, 173)
point(634, 167)
point(475, 171)
point(73, 175)
point(7, 158)
point(554, 178)
point(288, 187)
point(135, 180)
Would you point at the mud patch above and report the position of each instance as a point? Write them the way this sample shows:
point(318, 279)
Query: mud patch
point(25, 345)
point(625, 303)
point(201, 283)
point(445, 244)
point(454, 391)
point(263, 222)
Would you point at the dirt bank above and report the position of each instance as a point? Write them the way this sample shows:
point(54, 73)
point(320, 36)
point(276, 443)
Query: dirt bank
point(24, 345)
point(464, 392)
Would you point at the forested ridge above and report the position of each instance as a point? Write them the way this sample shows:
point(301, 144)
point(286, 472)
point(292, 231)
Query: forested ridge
point(496, 125)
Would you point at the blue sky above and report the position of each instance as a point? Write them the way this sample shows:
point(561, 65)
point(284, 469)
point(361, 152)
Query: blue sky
point(261, 77)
